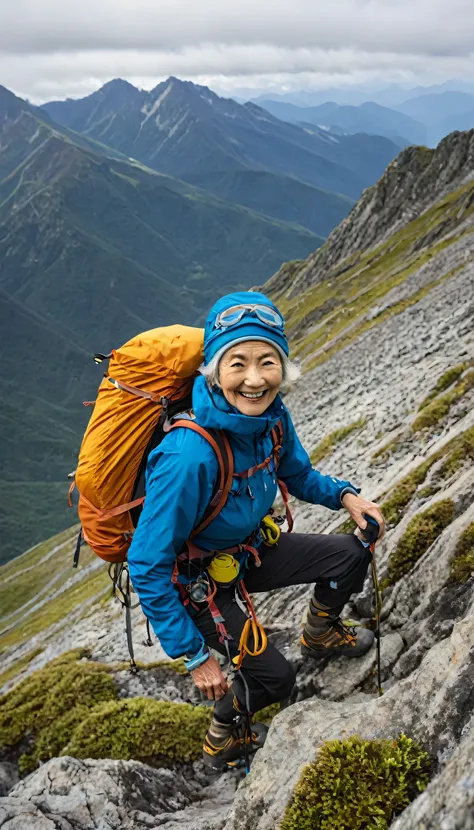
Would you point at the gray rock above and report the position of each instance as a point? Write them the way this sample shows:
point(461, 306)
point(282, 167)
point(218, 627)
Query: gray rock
point(448, 802)
point(8, 776)
point(70, 794)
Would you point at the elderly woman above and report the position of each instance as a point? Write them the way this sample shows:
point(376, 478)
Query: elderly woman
point(245, 363)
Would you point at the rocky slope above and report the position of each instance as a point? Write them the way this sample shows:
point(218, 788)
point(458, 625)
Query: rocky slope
point(383, 322)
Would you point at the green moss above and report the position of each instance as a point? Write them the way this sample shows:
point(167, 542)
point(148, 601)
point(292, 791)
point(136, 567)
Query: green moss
point(347, 526)
point(462, 563)
point(444, 382)
point(458, 451)
point(152, 731)
point(462, 453)
point(266, 715)
point(326, 446)
point(71, 707)
point(420, 534)
point(47, 695)
point(329, 314)
point(384, 452)
point(343, 337)
point(358, 785)
point(394, 506)
point(435, 411)
point(426, 492)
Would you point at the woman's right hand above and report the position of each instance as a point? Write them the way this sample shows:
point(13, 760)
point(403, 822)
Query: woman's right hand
point(210, 679)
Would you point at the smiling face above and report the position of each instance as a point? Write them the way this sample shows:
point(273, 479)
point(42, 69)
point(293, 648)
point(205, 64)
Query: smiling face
point(250, 375)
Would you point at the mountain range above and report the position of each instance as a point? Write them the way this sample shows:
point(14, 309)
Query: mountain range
point(100, 239)
point(187, 131)
point(366, 118)
point(424, 118)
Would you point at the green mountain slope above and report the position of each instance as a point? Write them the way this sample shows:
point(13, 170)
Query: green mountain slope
point(93, 250)
point(283, 197)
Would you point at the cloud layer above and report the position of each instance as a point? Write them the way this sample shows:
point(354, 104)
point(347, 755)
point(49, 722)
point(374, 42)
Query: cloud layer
point(56, 49)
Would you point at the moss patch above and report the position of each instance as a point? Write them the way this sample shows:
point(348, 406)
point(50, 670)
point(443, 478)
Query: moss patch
point(152, 731)
point(71, 707)
point(266, 715)
point(461, 453)
point(435, 411)
point(394, 506)
point(458, 451)
point(444, 382)
point(420, 534)
point(327, 445)
point(358, 785)
point(384, 452)
point(462, 563)
point(37, 705)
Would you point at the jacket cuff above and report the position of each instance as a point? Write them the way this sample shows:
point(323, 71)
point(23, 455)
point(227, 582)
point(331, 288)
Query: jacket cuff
point(192, 662)
point(354, 490)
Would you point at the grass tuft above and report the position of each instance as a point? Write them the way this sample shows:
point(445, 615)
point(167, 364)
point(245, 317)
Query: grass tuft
point(420, 534)
point(327, 445)
point(444, 382)
point(462, 563)
point(437, 410)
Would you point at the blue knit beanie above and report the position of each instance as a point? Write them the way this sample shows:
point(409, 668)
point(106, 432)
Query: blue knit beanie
point(250, 327)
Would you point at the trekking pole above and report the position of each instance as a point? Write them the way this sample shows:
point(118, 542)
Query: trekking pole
point(371, 533)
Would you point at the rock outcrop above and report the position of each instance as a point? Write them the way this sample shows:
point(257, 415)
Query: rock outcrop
point(69, 794)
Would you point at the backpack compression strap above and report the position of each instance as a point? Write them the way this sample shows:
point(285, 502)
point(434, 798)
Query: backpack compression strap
point(220, 444)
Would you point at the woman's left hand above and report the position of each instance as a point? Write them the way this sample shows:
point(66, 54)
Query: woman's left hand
point(357, 506)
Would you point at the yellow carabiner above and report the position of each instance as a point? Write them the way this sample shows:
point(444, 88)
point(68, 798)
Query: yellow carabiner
point(270, 531)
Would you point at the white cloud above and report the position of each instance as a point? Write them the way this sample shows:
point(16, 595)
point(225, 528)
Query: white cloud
point(54, 48)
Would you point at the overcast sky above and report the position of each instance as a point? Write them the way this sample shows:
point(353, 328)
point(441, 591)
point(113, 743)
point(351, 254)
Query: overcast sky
point(58, 48)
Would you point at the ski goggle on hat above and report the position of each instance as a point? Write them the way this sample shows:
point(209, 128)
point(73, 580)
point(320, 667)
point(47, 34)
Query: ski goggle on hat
point(266, 314)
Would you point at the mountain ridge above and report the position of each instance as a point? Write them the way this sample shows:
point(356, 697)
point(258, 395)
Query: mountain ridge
point(184, 129)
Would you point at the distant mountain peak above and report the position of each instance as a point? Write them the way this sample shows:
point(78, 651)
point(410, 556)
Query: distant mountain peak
point(118, 83)
point(10, 105)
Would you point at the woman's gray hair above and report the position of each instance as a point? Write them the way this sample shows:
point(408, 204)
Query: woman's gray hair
point(291, 372)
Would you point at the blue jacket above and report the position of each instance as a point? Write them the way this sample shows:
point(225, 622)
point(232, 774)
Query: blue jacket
point(180, 479)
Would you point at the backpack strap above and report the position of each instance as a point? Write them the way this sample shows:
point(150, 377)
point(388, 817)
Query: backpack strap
point(220, 444)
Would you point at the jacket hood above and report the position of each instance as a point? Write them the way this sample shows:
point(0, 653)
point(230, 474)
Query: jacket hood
point(212, 410)
point(249, 328)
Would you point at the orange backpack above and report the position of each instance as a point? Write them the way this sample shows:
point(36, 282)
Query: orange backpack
point(149, 380)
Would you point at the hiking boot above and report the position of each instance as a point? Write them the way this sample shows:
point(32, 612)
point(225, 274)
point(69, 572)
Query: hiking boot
point(227, 748)
point(338, 638)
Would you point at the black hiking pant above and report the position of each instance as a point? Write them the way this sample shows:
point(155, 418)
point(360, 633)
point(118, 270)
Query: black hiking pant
point(337, 564)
